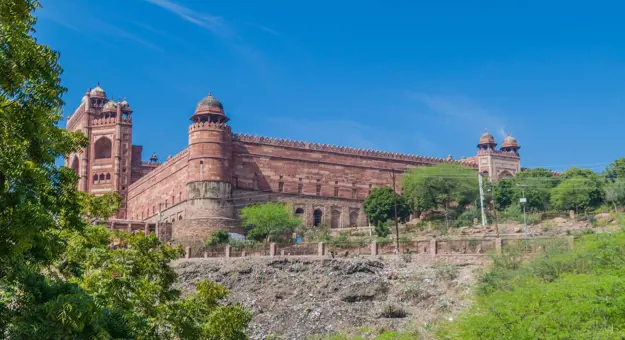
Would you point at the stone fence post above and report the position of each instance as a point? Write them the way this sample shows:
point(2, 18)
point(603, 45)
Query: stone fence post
point(272, 249)
point(146, 229)
point(228, 251)
point(321, 249)
point(498, 245)
point(570, 242)
point(433, 249)
point(187, 252)
point(374, 248)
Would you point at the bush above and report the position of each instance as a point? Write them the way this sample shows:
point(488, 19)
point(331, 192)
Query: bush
point(447, 272)
point(560, 295)
point(218, 237)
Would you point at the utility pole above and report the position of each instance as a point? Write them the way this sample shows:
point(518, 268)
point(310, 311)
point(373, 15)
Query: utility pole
point(523, 200)
point(396, 222)
point(491, 190)
point(479, 176)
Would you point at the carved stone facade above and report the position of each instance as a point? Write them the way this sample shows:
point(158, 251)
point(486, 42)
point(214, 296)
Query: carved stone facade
point(203, 187)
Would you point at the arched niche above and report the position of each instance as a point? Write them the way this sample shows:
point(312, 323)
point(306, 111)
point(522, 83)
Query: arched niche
point(103, 148)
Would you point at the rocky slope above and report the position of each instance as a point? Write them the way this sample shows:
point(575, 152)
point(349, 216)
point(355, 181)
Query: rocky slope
point(297, 298)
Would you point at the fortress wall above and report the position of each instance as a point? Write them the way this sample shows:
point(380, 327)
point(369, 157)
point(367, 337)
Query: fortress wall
point(158, 189)
point(269, 162)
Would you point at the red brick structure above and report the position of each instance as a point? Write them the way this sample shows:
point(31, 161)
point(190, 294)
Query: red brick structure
point(202, 188)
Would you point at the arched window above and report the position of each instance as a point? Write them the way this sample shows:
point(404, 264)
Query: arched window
point(317, 217)
point(103, 147)
point(108, 178)
point(353, 219)
point(95, 179)
point(76, 165)
point(101, 178)
point(180, 218)
point(299, 211)
point(335, 219)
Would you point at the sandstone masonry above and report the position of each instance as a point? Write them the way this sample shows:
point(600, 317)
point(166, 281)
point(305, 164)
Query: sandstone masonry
point(203, 187)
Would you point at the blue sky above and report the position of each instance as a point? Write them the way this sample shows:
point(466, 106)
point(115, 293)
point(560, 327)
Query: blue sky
point(405, 76)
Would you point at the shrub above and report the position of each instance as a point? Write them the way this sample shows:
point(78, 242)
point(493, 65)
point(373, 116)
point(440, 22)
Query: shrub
point(447, 272)
point(560, 295)
point(392, 311)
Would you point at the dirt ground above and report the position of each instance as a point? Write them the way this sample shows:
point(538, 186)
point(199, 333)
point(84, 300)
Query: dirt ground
point(300, 298)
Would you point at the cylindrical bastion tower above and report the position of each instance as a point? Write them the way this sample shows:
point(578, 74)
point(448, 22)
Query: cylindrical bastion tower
point(209, 187)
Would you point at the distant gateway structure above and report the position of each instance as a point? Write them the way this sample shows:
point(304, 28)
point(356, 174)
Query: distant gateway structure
point(201, 189)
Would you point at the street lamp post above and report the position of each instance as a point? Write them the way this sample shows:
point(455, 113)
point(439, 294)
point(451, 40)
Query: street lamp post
point(523, 201)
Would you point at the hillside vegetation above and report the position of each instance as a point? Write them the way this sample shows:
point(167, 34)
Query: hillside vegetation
point(571, 295)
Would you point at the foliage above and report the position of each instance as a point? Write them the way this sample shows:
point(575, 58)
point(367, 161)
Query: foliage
point(38, 200)
point(135, 283)
point(382, 229)
point(579, 192)
point(614, 192)
point(440, 187)
point(268, 220)
point(58, 277)
point(380, 206)
point(616, 169)
point(565, 295)
point(100, 207)
point(537, 184)
point(218, 237)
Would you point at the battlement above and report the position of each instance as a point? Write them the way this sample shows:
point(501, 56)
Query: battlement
point(209, 126)
point(103, 121)
point(343, 150)
point(509, 154)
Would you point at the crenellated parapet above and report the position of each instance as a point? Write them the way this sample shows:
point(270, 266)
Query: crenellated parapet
point(501, 153)
point(104, 121)
point(210, 125)
point(343, 150)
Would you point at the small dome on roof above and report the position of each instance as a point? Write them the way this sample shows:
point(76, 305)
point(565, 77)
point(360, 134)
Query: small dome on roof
point(125, 106)
point(209, 103)
point(97, 92)
point(209, 108)
point(487, 138)
point(110, 105)
point(509, 142)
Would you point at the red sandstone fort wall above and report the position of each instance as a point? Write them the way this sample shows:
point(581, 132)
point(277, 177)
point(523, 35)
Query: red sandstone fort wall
point(263, 166)
point(163, 189)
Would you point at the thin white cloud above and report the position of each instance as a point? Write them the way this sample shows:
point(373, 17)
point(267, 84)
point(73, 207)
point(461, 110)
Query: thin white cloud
point(213, 23)
point(91, 27)
point(354, 134)
point(460, 109)
point(264, 28)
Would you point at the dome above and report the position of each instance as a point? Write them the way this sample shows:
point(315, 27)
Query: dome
point(487, 138)
point(211, 104)
point(97, 92)
point(110, 105)
point(125, 106)
point(209, 109)
point(510, 142)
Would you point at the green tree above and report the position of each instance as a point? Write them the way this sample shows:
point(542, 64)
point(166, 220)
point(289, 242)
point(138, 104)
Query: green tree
point(219, 237)
point(51, 260)
point(268, 220)
point(100, 208)
point(616, 169)
point(615, 192)
point(38, 201)
point(379, 207)
point(134, 283)
point(577, 193)
point(444, 186)
point(505, 193)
